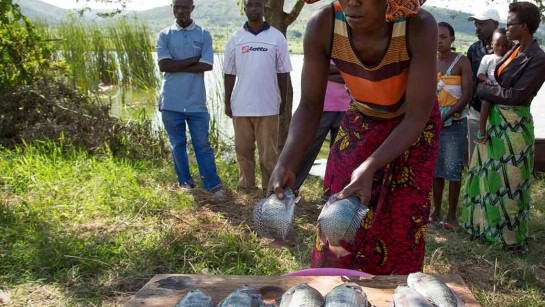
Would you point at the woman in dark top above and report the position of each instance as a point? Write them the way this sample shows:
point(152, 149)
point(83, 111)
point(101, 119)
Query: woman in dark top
point(497, 198)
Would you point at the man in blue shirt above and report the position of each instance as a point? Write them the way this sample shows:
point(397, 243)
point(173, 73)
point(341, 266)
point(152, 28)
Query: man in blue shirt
point(184, 52)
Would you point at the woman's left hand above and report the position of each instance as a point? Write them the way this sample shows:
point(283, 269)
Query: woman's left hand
point(360, 184)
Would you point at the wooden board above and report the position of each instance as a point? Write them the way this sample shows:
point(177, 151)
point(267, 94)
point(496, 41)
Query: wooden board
point(168, 289)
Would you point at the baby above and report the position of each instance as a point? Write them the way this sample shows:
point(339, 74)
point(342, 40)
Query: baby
point(500, 44)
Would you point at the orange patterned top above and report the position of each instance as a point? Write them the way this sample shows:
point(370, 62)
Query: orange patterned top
point(377, 91)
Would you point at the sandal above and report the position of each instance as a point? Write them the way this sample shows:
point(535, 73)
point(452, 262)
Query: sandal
point(446, 225)
point(542, 265)
point(480, 139)
point(432, 219)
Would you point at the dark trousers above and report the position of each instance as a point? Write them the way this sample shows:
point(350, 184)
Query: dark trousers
point(329, 123)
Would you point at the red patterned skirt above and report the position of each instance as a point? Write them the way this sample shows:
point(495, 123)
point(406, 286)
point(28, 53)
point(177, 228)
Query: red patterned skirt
point(391, 239)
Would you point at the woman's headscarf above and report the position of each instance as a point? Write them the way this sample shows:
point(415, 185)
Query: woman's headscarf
point(397, 8)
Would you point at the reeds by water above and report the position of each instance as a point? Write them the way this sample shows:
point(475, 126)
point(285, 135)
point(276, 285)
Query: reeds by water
point(116, 52)
point(135, 60)
point(120, 53)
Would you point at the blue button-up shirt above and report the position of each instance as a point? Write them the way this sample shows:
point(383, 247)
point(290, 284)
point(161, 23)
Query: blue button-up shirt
point(184, 91)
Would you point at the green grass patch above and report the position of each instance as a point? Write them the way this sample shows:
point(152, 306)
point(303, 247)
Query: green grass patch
point(81, 229)
point(89, 224)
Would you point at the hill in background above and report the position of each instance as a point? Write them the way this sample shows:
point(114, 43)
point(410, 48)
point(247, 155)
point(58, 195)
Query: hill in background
point(222, 17)
point(43, 12)
point(40, 11)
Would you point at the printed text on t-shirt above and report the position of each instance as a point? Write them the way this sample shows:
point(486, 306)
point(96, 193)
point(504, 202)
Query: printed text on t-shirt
point(246, 49)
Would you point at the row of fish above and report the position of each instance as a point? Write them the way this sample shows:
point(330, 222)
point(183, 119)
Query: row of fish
point(422, 290)
point(344, 295)
point(425, 291)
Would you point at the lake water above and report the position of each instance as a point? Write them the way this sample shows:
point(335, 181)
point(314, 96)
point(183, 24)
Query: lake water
point(145, 105)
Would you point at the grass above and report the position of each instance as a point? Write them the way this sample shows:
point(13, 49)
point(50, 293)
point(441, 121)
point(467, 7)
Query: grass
point(85, 230)
point(82, 229)
point(88, 228)
point(111, 53)
point(496, 277)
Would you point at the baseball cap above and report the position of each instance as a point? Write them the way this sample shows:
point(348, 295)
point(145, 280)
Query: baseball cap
point(486, 15)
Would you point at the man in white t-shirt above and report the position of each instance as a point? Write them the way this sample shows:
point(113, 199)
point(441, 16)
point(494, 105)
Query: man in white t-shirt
point(257, 60)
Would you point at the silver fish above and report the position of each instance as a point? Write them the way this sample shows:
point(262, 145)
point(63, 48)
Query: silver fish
point(347, 294)
point(340, 219)
point(302, 295)
point(195, 298)
point(245, 296)
point(437, 292)
point(408, 297)
point(273, 216)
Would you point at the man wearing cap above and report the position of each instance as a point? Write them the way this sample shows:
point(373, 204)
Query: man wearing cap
point(486, 22)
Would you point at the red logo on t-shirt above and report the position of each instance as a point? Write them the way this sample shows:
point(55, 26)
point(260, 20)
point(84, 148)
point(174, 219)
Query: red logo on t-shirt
point(246, 49)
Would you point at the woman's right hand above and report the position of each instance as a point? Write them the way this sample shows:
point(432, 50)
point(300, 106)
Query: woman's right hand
point(281, 178)
point(361, 183)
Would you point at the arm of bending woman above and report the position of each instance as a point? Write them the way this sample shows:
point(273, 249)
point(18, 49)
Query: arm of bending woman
point(307, 117)
point(420, 98)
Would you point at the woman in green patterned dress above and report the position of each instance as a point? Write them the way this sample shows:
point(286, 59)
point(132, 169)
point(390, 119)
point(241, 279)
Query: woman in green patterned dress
point(497, 199)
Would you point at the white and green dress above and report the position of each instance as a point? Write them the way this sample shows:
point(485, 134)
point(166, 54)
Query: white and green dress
point(497, 197)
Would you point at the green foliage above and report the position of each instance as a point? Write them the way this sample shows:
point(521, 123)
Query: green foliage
point(51, 109)
point(223, 17)
point(97, 225)
point(23, 53)
point(80, 229)
point(133, 45)
point(116, 52)
point(541, 5)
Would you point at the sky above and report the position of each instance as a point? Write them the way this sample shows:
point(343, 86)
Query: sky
point(463, 5)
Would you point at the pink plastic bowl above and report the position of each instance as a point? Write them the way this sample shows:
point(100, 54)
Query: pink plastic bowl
point(328, 272)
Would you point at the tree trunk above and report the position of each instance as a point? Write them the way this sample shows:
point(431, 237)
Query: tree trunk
point(275, 15)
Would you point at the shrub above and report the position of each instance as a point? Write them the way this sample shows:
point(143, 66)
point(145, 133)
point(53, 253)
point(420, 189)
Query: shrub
point(23, 52)
point(51, 109)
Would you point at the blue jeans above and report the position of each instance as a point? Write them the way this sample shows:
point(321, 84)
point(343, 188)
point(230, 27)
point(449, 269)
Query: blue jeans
point(198, 123)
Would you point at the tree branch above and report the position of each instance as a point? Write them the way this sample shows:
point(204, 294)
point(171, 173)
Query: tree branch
point(295, 11)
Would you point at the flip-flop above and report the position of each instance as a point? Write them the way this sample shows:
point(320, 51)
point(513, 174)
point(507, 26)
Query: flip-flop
point(480, 139)
point(446, 225)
